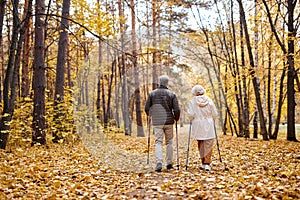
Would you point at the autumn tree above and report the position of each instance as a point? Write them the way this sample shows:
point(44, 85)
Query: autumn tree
point(253, 74)
point(2, 14)
point(25, 75)
point(10, 81)
point(125, 102)
point(60, 68)
point(155, 18)
point(100, 52)
point(139, 121)
point(216, 57)
point(289, 51)
point(12, 71)
point(39, 78)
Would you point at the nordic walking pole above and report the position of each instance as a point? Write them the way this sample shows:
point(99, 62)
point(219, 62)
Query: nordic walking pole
point(188, 149)
point(148, 150)
point(217, 141)
point(219, 146)
point(177, 145)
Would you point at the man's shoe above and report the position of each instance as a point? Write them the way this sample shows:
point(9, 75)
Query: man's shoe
point(202, 166)
point(158, 167)
point(169, 166)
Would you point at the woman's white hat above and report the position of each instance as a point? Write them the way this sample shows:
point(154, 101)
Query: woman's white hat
point(198, 90)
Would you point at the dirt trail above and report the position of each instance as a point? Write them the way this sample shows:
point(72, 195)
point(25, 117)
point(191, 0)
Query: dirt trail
point(111, 155)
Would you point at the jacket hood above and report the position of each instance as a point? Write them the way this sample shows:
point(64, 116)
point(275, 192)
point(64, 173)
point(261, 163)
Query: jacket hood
point(201, 100)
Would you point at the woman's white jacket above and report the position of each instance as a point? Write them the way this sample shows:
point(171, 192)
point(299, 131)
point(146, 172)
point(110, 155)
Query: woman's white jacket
point(202, 111)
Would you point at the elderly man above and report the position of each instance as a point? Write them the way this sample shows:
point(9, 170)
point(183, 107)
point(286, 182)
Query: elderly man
point(162, 106)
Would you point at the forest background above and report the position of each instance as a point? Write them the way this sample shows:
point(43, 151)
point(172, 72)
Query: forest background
point(72, 68)
point(101, 59)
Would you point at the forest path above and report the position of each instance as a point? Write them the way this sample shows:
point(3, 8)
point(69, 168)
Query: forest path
point(251, 168)
point(114, 152)
point(114, 167)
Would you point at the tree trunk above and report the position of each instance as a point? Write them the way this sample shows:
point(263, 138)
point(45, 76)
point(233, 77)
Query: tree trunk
point(8, 103)
point(103, 99)
point(232, 65)
point(147, 52)
point(85, 82)
point(98, 102)
point(39, 76)
point(117, 93)
point(25, 84)
point(255, 119)
point(245, 85)
point(138, 110)
point(154, 43)
point(280, 103)
point(60, 70)
point(12, 72)
point(291, 135)
point(270, 114)
point(106, 82)
point(69, 68)
point(86, 92)
point(291, 104)
point(125, 102)
point(62, 52)
point(109, 92)
point(253, 74)
point(2, 13)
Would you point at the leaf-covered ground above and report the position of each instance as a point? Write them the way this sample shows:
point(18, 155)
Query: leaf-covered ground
point(113, 166)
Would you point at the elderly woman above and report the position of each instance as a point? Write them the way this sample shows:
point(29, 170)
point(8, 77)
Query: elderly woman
point(202, 112)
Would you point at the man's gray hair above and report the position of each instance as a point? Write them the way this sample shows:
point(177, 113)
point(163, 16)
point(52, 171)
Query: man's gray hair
point(163, 80)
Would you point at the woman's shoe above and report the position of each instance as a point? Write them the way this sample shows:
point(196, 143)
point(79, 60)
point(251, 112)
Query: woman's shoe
point(207, 167)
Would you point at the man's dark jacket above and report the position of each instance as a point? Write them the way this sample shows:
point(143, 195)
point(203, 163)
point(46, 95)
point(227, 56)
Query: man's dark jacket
point(162, 106)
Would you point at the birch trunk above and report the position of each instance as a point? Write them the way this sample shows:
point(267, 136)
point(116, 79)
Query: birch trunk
point(154, 44)
point(137, 94)
point(125, 101)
